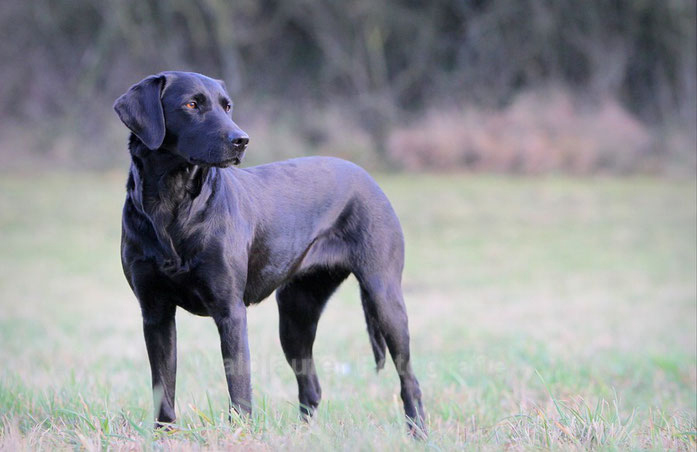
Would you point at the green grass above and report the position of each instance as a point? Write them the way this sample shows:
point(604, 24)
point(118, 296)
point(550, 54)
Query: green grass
point(545, 313)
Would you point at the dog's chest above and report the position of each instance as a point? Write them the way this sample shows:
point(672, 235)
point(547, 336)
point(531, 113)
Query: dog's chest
point(194, 294)
point(196, 290)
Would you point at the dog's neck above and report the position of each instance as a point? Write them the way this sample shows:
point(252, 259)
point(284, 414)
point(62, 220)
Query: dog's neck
point(161, 177)
point(169, 192)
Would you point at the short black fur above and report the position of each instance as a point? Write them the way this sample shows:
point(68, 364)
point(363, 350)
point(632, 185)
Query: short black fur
point(213, 239)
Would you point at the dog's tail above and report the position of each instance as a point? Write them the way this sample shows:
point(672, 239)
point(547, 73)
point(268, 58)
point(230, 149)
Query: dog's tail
point(377, 340)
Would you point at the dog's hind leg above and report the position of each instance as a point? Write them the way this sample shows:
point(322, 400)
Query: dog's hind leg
point(300, 304)
point(383, 303)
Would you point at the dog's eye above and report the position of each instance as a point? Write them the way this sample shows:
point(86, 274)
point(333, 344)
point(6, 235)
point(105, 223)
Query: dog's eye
point(192, 105)
point(228, 107)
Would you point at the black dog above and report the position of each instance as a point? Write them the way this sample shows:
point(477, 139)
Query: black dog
point(213, 240)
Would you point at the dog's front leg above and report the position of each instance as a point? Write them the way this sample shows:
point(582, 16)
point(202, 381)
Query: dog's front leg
point(232, 326)
point(160, 334)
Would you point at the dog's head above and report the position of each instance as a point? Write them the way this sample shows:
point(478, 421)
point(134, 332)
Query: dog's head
point(184, 113)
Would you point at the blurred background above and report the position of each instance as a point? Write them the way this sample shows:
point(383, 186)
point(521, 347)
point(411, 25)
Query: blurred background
point(540, 154)
point(514, 86)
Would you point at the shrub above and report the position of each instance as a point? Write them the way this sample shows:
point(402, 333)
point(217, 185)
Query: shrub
point(538, 132)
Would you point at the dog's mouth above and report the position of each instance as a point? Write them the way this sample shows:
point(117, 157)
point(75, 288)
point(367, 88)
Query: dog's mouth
point(229, 162)
point(221, 164)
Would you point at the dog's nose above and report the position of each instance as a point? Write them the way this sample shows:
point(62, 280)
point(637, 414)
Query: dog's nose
point(238, 139)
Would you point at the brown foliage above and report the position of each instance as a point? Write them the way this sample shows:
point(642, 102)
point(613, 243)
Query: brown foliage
point(537, 133)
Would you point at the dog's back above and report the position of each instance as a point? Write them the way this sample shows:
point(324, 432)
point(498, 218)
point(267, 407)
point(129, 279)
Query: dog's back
point(326, 213)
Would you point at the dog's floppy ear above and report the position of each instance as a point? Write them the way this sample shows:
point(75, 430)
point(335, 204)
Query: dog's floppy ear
point(140, 109)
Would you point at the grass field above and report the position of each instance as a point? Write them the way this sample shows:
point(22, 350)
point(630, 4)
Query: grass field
point(545, 313)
